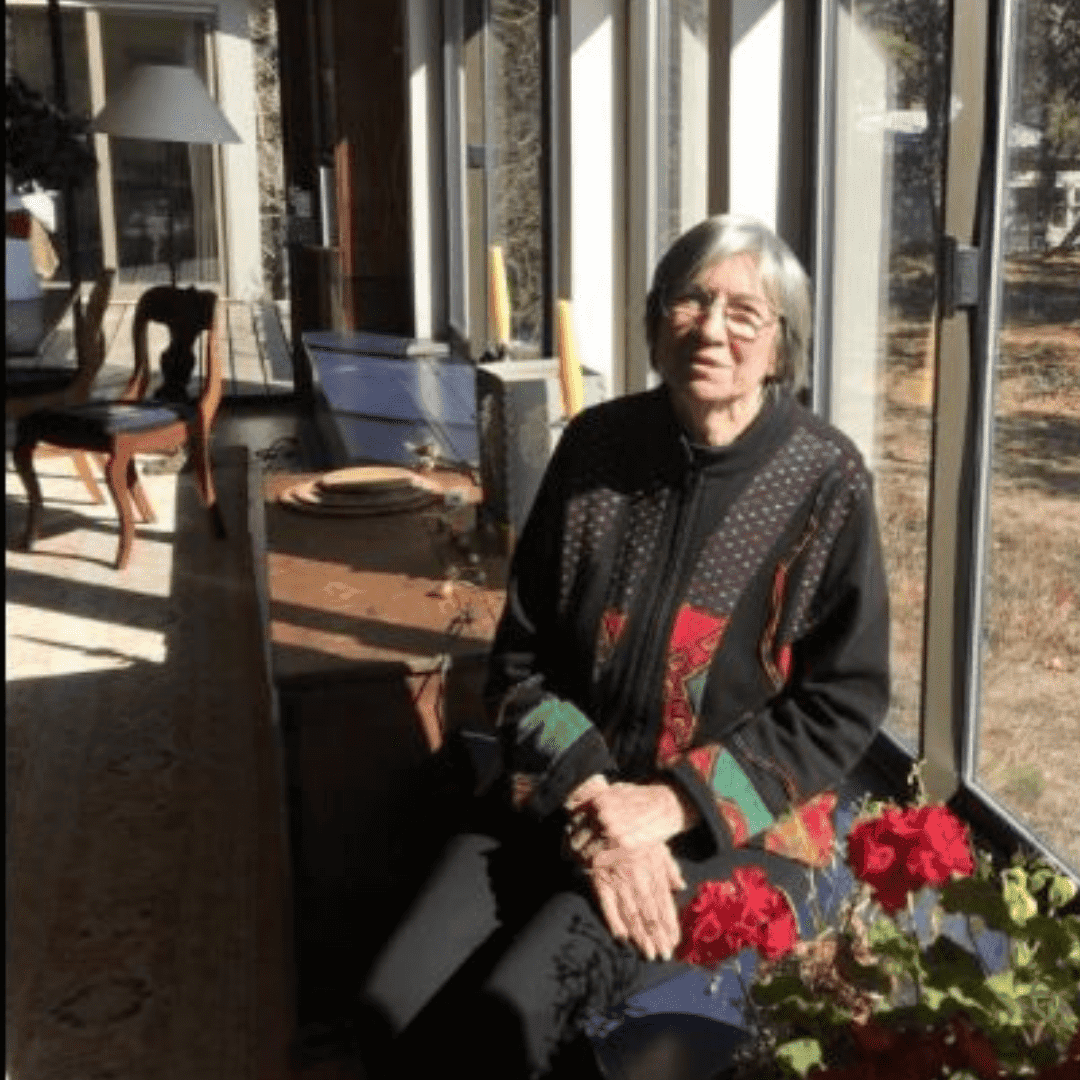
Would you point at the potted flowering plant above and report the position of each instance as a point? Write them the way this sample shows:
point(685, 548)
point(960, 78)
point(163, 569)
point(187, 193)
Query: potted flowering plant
point(881, 990)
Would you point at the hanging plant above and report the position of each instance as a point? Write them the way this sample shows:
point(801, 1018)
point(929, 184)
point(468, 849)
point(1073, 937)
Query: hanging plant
point(43, 144)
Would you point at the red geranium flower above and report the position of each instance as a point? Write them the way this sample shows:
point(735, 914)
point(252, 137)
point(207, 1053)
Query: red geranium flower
point(903, 850)
point(943, 848)
point(744, 912)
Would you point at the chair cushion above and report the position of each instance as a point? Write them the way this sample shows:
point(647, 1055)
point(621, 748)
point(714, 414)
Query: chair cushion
point(94, 423)
point(29, 382)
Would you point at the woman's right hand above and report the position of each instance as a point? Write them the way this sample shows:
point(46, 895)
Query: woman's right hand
point(634, 888)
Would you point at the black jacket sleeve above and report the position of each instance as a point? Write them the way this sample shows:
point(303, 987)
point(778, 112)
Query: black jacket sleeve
point(549, 745)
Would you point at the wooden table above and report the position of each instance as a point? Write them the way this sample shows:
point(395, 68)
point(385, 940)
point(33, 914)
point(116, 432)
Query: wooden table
point(374, 659)
point(381, 597)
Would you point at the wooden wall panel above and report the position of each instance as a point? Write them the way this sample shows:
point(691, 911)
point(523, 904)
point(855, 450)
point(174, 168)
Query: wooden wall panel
point(371, 109)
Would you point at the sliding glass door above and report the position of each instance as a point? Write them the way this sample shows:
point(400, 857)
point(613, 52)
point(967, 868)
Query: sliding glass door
point(883, 149)
point(948, 331)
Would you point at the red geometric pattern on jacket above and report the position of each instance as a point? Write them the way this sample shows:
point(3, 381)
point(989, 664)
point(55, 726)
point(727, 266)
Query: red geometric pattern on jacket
point(695, 637)
point(612, 623)
point(783, 661)
point(808, 833)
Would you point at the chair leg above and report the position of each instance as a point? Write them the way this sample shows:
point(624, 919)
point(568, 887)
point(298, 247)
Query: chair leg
point(116, 473)
point(138, 494)
point(24, 464)
point(82, 467)
point(204, 476)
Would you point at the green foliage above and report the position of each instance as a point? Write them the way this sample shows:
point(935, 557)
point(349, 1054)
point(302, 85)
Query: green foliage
point(800, 1055)
point(1063, 125)
point(43, 143)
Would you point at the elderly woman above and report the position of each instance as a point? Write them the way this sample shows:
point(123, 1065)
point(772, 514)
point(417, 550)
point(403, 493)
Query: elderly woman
point(692, 656)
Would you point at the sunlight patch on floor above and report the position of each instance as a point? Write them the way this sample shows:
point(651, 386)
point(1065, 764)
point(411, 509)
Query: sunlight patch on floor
point(67, 609)
point(48, 643)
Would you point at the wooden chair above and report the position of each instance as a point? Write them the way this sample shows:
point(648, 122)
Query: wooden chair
point(137, 425)
point(49, 387)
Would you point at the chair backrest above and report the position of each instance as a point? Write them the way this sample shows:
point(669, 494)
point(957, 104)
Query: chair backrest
point(89, 338)
point(89, 351)
point(188, 313)
point(213, 382)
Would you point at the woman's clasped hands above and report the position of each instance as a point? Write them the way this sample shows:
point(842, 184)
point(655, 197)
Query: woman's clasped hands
point(618, 833)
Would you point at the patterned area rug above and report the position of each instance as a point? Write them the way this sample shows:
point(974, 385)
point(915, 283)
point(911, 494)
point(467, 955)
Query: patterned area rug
point(147, 932)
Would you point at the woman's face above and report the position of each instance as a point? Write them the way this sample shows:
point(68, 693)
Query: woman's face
point(703, 352)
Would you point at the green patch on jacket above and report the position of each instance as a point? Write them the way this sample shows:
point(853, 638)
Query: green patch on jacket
point(554, 726)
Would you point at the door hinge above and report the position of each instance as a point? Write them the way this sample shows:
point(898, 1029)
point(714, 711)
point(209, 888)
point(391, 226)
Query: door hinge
point(959, 276)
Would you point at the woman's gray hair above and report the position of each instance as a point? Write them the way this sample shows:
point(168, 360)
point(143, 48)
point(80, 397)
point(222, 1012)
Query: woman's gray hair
point(786, 283)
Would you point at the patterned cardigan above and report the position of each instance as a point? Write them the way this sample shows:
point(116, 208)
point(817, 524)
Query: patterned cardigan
point(713, 617)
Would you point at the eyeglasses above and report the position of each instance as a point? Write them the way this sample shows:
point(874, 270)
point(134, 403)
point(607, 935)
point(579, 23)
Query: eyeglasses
point(743, 319)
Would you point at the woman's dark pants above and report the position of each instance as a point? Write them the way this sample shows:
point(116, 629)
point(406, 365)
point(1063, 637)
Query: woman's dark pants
point(497, 962)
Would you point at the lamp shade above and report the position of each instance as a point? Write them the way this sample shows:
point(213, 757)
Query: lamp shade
point(165, 102)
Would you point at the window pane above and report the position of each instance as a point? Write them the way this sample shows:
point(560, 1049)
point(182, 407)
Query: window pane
point(890, 119)
point(1029, 727)
point(683, 128)
point(163, 192)
point(30, 56)
point(454, 142)
point(514, 142)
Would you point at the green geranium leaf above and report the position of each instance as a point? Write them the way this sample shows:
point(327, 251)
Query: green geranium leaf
point(1044, 1054)
point(976, 896)
point(782, 988)
point(1056, 937)
point(1005, 984)
point(900, 949)
point(950, 965)
point(1062, 890)
point(1024, 953)
point(975, 1001)
point(800, 1055)
point(1007, 993)
point(883, 930)
point(1020, 903)
point(1038, 878)
point(1061, 982)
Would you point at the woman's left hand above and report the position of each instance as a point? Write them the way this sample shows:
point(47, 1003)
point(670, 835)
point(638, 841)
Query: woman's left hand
point(626, 815)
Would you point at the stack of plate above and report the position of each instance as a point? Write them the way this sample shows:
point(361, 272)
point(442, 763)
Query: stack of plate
point(362, 491)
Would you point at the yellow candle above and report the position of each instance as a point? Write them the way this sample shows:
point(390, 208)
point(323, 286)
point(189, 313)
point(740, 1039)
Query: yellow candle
point(499, 313)
point(573, 388)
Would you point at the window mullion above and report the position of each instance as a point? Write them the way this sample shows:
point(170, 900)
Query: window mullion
point(947, 656)
point(95, 62)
